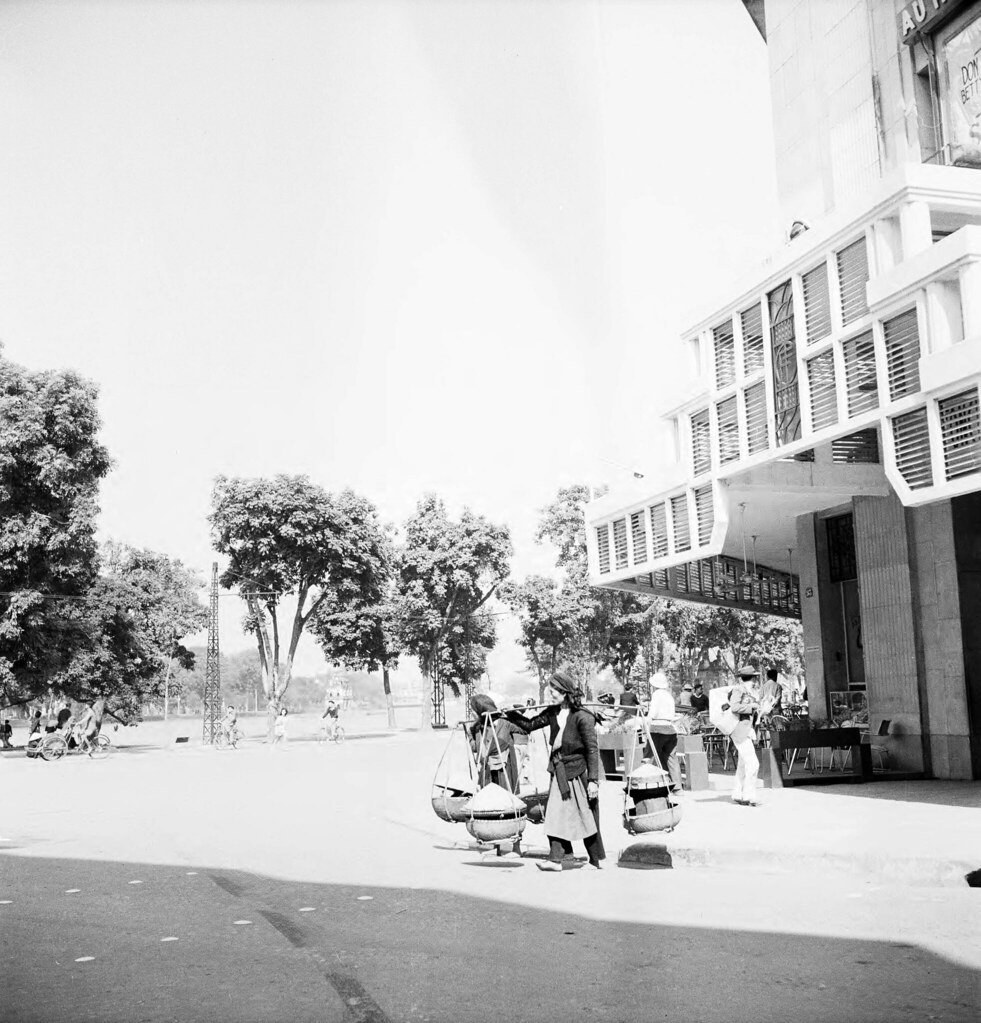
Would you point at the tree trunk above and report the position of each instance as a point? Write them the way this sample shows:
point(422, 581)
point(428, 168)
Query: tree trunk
point(389, 699)
point(426, 719)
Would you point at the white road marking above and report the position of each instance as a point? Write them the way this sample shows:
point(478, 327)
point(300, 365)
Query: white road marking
point(238, 923)
point(84, 959)
point(72, 891)
point(169, 939)
point(6, 902)
point(307, 909)
point(134, 882)
point(191, 873)
point(365, 898)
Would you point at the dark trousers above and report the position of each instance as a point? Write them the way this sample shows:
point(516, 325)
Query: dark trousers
point(664, 746)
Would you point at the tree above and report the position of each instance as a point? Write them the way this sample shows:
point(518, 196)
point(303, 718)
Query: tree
point(446, 572)
point(550, 619)
point(51, 463)
point(167, 603)
point(288, 539)
point(612, 623)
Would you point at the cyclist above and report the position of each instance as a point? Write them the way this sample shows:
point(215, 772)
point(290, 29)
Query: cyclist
point(229, 725)
point(82, 727)
point(331, 718)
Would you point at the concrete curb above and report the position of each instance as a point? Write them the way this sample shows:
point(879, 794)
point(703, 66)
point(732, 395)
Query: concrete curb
point(650, 854)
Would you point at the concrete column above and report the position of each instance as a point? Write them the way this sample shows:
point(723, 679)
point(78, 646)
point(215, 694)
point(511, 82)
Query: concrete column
point(889, 627)
point(914, 218)
point(970, 280)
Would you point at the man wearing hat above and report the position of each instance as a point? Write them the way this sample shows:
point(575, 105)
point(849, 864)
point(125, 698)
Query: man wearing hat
point(744, 703)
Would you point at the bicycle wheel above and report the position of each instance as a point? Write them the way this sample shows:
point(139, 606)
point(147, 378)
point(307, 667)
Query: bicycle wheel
point(338, 734)
point(99, 747)
point(54, 747)
point(221, 741)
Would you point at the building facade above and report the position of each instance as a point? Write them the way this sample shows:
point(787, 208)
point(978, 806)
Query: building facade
point(826, 456)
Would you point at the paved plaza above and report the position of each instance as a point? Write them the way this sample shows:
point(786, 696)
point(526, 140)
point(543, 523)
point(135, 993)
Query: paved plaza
point(182, 883)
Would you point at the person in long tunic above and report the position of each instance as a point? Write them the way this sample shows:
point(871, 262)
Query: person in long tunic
point(572, 811)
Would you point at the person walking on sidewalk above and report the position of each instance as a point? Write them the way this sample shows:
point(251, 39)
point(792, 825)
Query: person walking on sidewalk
point(744, 703)
point(572, 812)
point(664, 732)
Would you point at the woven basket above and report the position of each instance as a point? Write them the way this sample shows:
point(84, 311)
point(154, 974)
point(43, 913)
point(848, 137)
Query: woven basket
point(535, 801)
point(450, 808)
point(659, 820)
point(485, 830)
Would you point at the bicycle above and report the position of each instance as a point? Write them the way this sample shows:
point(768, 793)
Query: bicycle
point(335, 734)
point(226, 741)
point(53, 747)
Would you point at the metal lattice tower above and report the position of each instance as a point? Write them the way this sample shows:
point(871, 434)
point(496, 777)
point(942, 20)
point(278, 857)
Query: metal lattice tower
point(212, 672)
point(439, 702)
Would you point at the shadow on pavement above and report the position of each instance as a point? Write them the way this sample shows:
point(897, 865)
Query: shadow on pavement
point(114, 941)
point(936, 793)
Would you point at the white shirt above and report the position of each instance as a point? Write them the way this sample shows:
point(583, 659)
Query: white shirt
point(660, 714)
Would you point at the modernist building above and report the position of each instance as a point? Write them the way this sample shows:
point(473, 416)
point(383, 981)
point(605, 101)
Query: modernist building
point(827, 455)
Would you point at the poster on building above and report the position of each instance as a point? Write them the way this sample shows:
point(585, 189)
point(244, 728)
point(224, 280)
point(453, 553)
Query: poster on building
point(962, 54)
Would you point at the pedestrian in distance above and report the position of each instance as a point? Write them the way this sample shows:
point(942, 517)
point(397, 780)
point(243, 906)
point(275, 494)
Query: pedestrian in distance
point(279, 729)
point(661, 720)
point(5, 733)
point(699, 699)
point(744, 704)
point(572, 812)
point(629, 701)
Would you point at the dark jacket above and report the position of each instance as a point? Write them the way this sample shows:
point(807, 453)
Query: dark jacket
point(579, 753)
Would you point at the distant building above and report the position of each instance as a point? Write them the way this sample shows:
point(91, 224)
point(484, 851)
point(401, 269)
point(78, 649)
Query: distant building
point(827, 453)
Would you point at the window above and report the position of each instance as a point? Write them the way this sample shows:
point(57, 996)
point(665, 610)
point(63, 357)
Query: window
point(728, 430)
point(902, 354)
point(853, 275)
point(603, 548)
point(841, 548)
point(620, 542)
point(757, 438)
point(682, 527)
point(817, 303)
point(824, 394)
point(960, 83)
point(725, 354)
point(860, 380)
point(659, 531)
point(751, 320)
point(911, 439)
point(860, 448)
point(639, 535)
point(783, 345)
point(704, 514)
point(701, 443)
point(960, 427)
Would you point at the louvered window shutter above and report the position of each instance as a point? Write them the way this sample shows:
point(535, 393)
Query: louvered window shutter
point(911, 439)
point(860, 448)
point(728, 430)
point(659, 531)
point(603, 547)
point(682, 527)
point(620, 542)
point(660, 578)
point(824, 395)
point(704, 514)
point(639, 534)
point(817, 303)
point(960, 428)
point(701, 442)
point(756, 422)
point(853, 275)
point(860, 379)
point(752, 324)
point(725, 354)
point(902, 354)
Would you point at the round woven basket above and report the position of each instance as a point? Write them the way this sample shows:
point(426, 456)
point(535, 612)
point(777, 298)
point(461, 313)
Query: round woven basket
point(500, 830)
point(535, 802)
point(660, 820)
point(450, 808)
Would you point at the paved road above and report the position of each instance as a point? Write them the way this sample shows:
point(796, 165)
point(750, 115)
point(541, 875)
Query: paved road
point(362, 906)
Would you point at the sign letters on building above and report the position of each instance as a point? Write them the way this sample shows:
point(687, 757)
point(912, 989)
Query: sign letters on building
point(922, 15)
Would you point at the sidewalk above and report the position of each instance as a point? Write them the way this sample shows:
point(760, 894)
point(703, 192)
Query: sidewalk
point(915, 833)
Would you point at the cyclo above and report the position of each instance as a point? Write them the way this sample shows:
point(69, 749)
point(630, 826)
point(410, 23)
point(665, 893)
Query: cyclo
point(54, 746)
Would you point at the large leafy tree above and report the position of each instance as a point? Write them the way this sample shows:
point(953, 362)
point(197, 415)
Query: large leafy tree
point(51, 462)
point(550, 617)
point(447, 571)
point(291, 543)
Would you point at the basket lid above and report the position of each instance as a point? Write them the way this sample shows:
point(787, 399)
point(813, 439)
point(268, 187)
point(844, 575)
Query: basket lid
point(494, 797)
point(648, 776)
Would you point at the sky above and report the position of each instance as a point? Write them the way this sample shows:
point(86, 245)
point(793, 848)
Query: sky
point(401, 246)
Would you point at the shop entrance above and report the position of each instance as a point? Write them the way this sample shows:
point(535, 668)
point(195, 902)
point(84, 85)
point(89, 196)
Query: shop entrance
point(844, 577)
